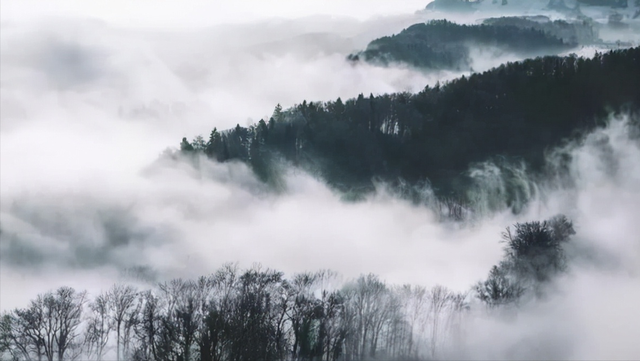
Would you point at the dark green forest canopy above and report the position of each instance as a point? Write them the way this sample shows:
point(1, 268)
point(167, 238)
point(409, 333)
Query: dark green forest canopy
point(514, 112)
point(441, 44)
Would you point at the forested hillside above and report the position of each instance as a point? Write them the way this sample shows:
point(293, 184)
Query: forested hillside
point(513, 112)
point(578, 32)
point(441, 44)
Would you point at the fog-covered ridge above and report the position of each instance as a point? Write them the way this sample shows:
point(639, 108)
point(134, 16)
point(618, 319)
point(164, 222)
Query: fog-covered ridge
point(445, 45)
point(510, 115)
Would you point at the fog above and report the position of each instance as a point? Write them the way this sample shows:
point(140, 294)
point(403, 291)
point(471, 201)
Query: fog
point(92, 96)
point(590, 315)
point(88, 104)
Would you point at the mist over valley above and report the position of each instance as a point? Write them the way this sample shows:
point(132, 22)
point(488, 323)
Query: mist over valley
point(336, 181)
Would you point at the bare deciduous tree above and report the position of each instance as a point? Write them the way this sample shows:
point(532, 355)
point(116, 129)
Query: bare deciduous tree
point(122, 304)
point(99, 326)
point(439, 297)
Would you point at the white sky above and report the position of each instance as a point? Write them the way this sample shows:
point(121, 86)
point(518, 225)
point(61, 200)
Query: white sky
point(196, 13)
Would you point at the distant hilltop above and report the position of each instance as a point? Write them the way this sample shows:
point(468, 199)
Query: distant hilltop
point(455, 5)
point(466, 5)
point(609, 3)
point(560, 4)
